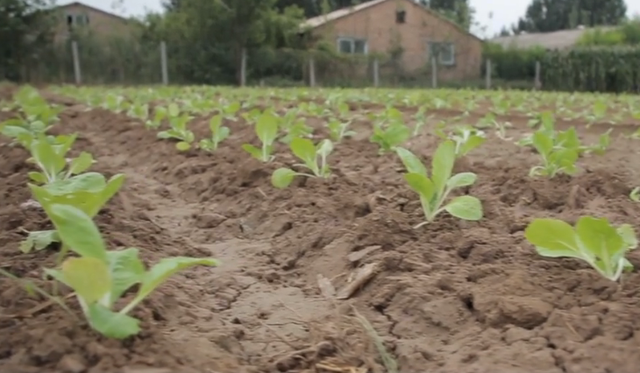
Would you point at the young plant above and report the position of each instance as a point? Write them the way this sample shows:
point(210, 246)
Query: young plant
point(218, 134)
point(556, 159)
point(100, 277)
point(179, 131)
point(466, 139)
point(635, 194)
point(389, 130)
point(314, 158)
point(88, 192)
point(267, 131)
point(339, 129)
point(159, 114)
point(434, 190)
point(49, 156)
point(593, 240)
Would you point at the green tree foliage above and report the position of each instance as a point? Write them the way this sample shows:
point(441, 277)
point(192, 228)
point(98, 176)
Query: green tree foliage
point(554, 15)
point(626, 34)
point(206, 37)
point(24, 33)
point(593, 69)
point(513, 63)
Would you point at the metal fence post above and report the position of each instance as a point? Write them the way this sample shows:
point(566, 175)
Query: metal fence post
point(163, 63)
point(487, 76)
point(76, 62)
point(376, 73)
point(312, 71)
point(434, 73)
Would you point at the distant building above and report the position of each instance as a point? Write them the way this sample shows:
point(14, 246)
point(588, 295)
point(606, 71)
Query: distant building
point(563, 39)
point(376, 25)
point(79, 16)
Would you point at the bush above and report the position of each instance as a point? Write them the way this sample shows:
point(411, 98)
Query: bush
point(593, 69)
point(512, 63)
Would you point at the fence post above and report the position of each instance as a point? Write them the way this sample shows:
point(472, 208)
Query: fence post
point(376, 72)
point(312, 71)
point(76, 62)
point(243, 68)
point(487, 76)
point(537, 83)
point(434, 73)
point(163, 63)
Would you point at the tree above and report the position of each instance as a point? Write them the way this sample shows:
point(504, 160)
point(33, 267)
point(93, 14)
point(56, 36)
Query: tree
point(208, 37)
point(459, 11)
point(25, 30)
point(554, 15)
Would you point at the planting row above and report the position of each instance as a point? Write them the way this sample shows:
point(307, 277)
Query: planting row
point(71, 196)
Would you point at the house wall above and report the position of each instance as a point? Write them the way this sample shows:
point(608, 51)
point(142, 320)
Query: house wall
point(101, 23)
point(378, 25)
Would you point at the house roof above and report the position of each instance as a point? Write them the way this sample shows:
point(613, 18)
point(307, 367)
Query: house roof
point(332, 16)
point(323, 19)
point(77, 3)
point(563, 39)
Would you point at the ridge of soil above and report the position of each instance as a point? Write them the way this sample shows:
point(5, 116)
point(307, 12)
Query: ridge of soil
point(449, 297)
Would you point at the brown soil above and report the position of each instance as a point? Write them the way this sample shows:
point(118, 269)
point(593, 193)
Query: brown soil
point(449, 297)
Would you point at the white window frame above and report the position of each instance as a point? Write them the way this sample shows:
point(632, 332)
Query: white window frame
point(441, 61)
point(353, 44)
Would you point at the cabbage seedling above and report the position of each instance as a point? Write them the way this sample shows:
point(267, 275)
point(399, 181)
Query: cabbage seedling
point(465, 138)
point(593, 240)
point(339, 129)
point(100, 277)
point(179, 131)
point(267, 131)
point(218, 134)
point(50, 159)
point(88, 192)
point(635, 194)
point(555, 159)
point(434, 190)
point(389, 130)
point(293, 126)
point(314, 158)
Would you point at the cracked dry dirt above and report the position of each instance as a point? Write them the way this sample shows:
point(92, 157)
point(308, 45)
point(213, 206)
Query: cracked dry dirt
point(450, 297)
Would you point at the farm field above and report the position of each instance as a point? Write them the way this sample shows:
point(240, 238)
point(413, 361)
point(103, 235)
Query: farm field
point(328, 272)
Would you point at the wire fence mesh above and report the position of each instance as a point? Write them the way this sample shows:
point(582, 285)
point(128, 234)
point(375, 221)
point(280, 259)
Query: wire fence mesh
point(123, 62)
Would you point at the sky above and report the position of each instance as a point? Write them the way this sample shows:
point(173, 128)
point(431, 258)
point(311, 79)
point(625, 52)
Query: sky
point(492, 14)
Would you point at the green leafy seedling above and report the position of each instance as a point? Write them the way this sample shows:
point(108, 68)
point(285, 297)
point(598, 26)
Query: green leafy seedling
point(466, 139)
point(434, 190)
point(389, 130)
point(88, 192)
point(179, 130)
point(267, 131)
point(555, 159)
point(218, 134)
point(593, 240)
point(339, 129)
point(50, 159)
point(100, 277)
point(293, 126)
point(314, 158)
point(635, 194)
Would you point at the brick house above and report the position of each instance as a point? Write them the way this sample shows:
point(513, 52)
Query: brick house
point(385, 26)
point(79, 16)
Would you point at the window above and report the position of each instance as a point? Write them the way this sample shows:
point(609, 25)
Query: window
point(81, 19)
point(401, 16)
point(77, 19)
point(352, 46)
point(445, 53)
